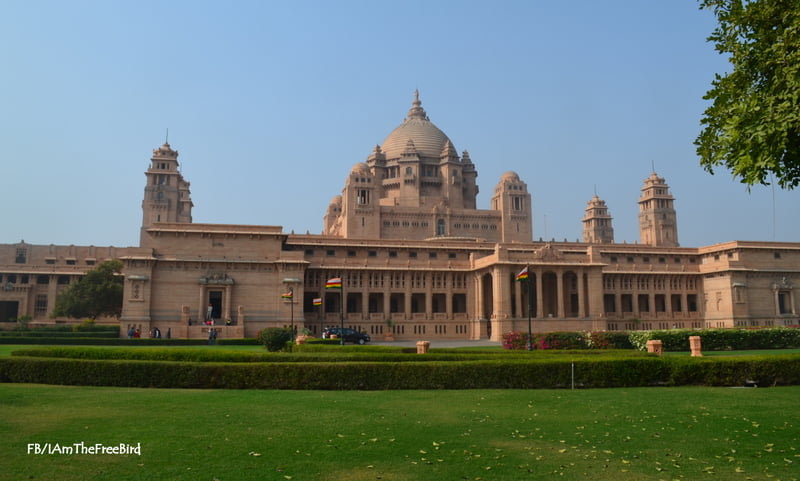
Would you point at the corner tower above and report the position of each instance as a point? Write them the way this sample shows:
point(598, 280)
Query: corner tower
point(597, 227)
point(512, 200)
point(658, 222)
point(166, 195)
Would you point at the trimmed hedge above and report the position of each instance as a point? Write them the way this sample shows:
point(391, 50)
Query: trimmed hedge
point(725, 339)
point(720, 339)
point(365, 354)
point(88, 341)
point(60, 334)
point(514, 372)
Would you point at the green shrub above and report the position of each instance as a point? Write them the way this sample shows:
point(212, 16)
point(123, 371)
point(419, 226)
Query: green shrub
point(275, 338)
point(515, 372)
point(720, 339)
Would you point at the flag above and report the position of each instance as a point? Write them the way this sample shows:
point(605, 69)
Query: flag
point(523, 274)
point(287, 295)
point(317, 301)
point(334, 283)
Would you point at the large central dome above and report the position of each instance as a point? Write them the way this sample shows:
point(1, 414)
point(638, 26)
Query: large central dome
point(428, 140)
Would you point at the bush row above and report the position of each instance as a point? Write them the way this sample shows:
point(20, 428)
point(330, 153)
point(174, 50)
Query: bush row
point(672, 339)
point(89, 341)
point(331, 354)
point(721, 339)
point(37, 334)
point(569, 340)
point(513, 373)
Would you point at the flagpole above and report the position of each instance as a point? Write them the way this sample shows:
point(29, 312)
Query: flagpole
point(341, 319)
point(530, 308)
point(291, 309)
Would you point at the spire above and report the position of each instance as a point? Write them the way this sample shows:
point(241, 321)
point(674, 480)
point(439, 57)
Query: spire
point(416, 111)
point(449, 151)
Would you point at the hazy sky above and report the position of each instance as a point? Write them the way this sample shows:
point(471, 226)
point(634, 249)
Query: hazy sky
point(271, 103)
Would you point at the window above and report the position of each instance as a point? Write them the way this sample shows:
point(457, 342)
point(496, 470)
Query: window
point(43, 279)
point(432, 255)
point(645, 259)
point(50, 261)
point(22, 255)
point(777, 255)
point(372, 253)
point(451, 255)
point(351, 253)
point(309, 252)
point(62, 280)
point(412, 255)
point(613, 259)
point(392, 253)
point(90, 262)
point(40, 305)
point(70, 262)
point(330, 252)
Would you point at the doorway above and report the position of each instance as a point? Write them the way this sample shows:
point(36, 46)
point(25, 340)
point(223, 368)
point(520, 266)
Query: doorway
point(215, 304)
point(9, 310)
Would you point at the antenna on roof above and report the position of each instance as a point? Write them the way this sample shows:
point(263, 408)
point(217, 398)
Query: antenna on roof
point(166, 140)
point(653, 165)
point(595, 190)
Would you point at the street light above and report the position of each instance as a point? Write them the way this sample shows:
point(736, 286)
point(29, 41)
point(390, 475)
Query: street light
point(290, 281)
point(524, 276)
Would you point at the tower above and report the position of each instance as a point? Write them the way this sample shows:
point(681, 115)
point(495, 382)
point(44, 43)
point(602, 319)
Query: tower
point(597, 227)
point(512, 200)
point(360, 205)
point(166, 195)
point(658, 222)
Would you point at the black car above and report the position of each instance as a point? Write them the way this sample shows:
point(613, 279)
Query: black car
point(350, 335)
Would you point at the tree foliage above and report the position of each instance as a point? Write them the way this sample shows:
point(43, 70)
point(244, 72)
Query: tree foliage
point(753, 126)
point(98, 293)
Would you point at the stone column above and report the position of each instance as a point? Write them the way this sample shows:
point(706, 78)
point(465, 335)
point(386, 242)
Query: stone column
point(407, 294)
point(539, 295)
point(560, 293)
point(428, 295)
point(387, 295)
point(581, 294)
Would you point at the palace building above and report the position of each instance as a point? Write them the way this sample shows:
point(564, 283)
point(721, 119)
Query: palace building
point(417, 259)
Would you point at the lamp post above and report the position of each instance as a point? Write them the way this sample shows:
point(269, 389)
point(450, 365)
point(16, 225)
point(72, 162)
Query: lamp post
point(530, 308)
point(524, 276)
point(291, 310)
point(290, 281)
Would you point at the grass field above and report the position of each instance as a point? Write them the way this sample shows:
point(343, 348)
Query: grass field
point(620, 434)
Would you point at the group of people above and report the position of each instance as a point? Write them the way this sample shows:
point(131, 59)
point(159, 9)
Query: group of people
point(155, 333)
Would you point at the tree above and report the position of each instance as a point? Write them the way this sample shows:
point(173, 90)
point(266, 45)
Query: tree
point(98, 293)
point(753, 126)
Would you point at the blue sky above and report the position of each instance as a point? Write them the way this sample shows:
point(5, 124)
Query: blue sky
point(271, 103)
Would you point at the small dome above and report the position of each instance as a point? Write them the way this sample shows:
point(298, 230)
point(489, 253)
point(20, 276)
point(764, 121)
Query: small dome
point(510, 176)
point(428, 139)
point(359, 168)
point(337, 200)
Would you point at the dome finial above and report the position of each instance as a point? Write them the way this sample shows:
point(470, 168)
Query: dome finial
point(416, 111)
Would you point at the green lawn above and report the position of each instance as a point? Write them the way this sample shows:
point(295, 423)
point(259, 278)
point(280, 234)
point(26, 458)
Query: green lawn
point(618, 434)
